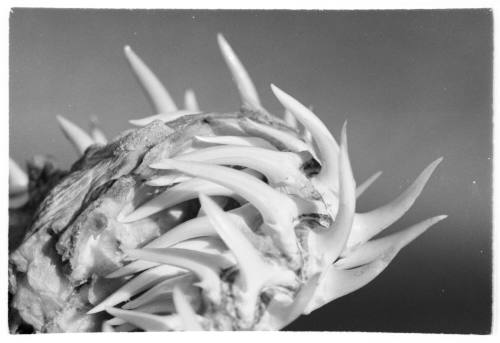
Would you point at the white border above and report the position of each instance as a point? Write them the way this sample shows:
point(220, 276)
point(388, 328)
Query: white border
point(227, 337)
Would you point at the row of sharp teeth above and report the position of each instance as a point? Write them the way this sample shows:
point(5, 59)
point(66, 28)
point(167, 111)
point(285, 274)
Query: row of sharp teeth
point(169, 264)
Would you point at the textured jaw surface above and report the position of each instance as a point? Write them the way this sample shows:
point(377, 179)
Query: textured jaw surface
point(198, 220)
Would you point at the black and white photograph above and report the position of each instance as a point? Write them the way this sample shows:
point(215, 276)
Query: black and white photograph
point(249, 170)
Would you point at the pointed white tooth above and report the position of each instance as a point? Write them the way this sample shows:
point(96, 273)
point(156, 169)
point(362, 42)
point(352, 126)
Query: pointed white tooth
point(327, 146)
point(192, 240)
point(138, 284)
point(190, 102)
point(290, 119)
point(367, 183)
point(155, 90)
point(145, 321)
point(372, 250)
point(165, 117)
point(200, 227)
point(279, 167)
point(255, 273)
point(337, 281)
point(241, 78)
point(78, 138)
point(366, 225)
point(158, 290)
point(236, 140)
point(280, 138)
point(281, 314)
point(206, 266)
point(273, 205)
point(175, 195)
point(248, 257)
point(332, 242)
point(185, 310)
point(18, 179)
point(278, 210)
point(97, 135)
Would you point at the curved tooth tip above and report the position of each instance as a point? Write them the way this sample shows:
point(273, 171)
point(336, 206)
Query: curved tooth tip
point(78, 137)
point(388, 245)
point(190, 101)
point(97, 135)
point(275, 208)
point(367, 225)
point(18, 179)
point(196, 261)
point(343, 136)
point(155, 90)
point(136, 285)
point(243, 81)
point(159, 290)
point(332, 242)
point(246, 254)
point(325, 142)
point(206, 266)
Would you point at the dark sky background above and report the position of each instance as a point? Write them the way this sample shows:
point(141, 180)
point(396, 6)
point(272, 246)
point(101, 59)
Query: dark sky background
point(414, 85)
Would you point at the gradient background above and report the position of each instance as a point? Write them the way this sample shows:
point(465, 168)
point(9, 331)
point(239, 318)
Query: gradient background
point(415, 85)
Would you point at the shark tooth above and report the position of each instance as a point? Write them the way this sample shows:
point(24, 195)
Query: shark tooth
point(175, 195)
point(366, 225)
point(199, 243)
point(371, 250)
point(278, 211)
point(190, 102)
point(246, 88)
point(331, 242)
point(138, 284)
point(206, 266)
point(77, 137)
point(159, 289)
point(18, 179)
point(255, 273)
point(327, 146)
point(155, 90)
point(278, 167)
point(275, 136)
point(95, 132)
